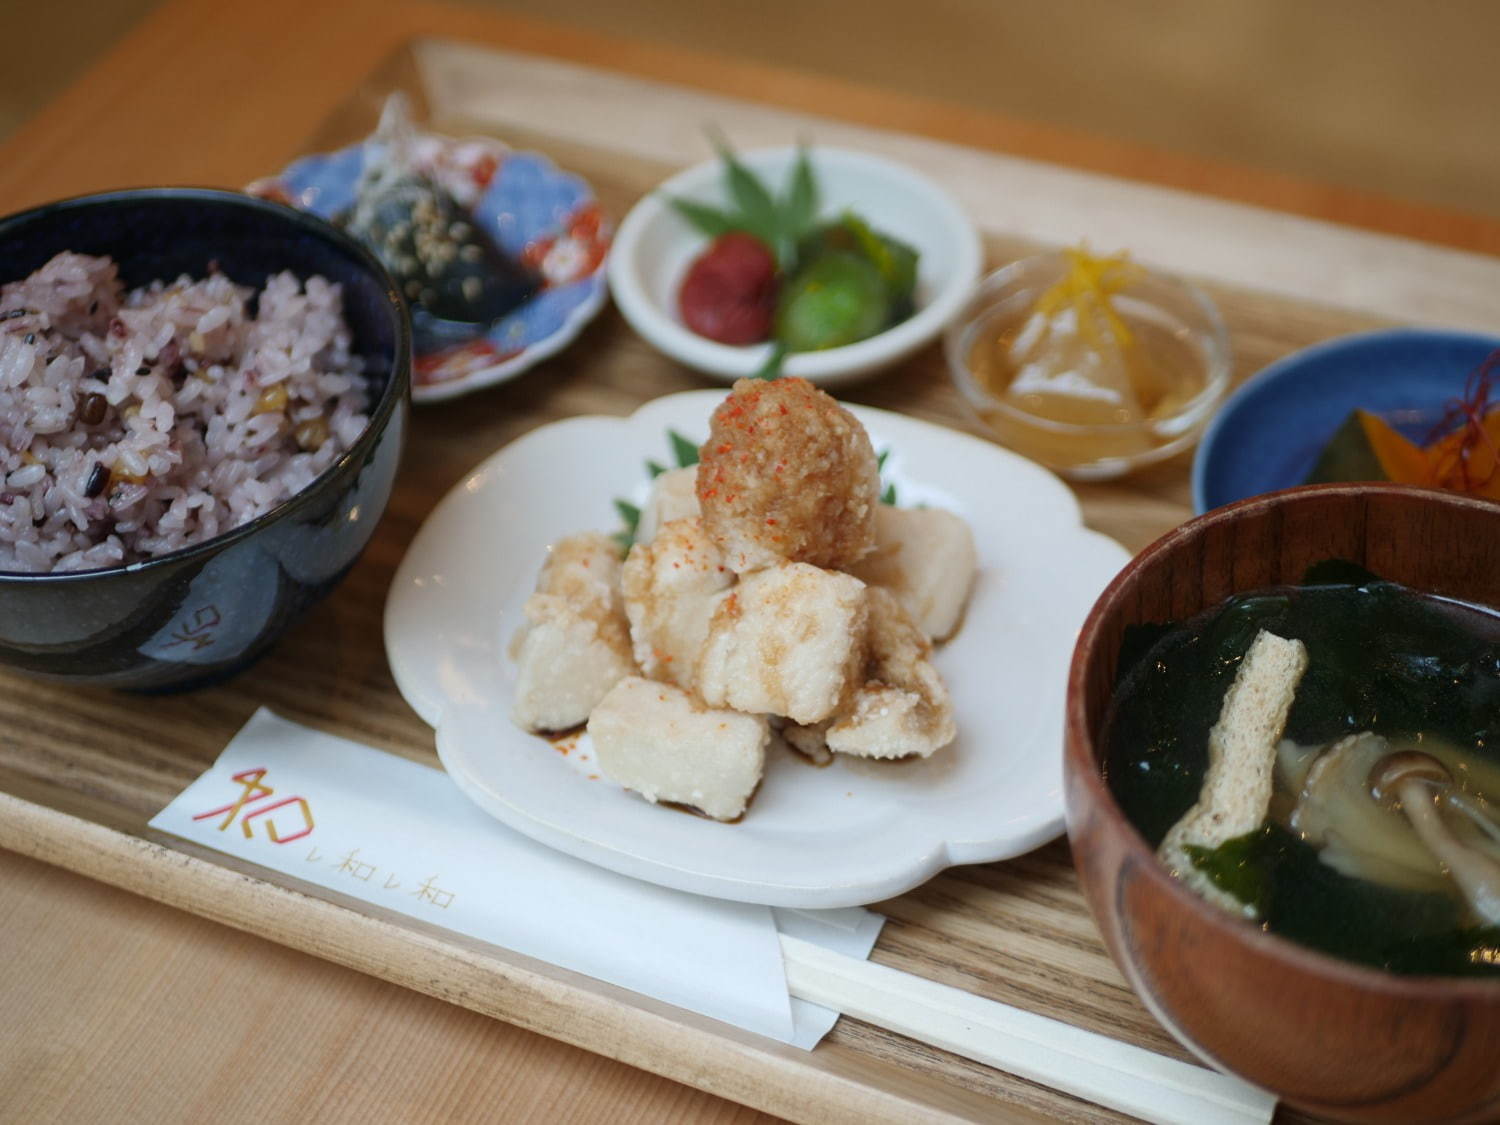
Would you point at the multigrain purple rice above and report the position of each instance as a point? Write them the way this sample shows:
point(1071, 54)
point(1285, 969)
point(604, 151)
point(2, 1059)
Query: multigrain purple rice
point(206, 404)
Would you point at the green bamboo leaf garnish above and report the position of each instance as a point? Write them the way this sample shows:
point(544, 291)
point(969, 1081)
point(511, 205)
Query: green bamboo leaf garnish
point(655, 468)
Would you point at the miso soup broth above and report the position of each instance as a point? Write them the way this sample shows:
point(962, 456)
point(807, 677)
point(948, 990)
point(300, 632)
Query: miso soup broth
point(1382, 848)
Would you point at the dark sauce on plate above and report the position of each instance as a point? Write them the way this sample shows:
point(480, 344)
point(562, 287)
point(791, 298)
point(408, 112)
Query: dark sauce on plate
point(1381, 658)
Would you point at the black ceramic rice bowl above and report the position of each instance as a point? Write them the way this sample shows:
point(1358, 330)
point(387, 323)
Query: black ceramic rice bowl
point(204, 611)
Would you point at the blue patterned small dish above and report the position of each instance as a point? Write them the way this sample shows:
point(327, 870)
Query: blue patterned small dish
point(539, 215)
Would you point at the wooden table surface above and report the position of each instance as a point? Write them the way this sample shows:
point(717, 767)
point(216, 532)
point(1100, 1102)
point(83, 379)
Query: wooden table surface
point(120, 1009)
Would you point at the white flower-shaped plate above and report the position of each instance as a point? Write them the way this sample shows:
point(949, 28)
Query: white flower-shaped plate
point(850, 833)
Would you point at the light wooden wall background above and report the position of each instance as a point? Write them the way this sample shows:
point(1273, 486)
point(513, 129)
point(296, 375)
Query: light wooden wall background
point(1392, 96)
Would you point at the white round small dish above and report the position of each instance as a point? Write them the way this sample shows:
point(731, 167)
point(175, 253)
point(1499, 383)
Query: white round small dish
point(655, 245)
point(853, 832)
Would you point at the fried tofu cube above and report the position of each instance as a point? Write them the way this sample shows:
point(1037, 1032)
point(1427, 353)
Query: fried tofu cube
point(788, 640)
point(659, 741)
point(672, 586)
point(902, 709)
point(673, 497)
point(809, 741)
point(575, 644)
point(926, 557)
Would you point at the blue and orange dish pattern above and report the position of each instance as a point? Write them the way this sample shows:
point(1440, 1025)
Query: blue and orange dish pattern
point(538, 214)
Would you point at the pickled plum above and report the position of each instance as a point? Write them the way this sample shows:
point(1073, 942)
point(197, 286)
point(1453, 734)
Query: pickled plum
point(729, 293)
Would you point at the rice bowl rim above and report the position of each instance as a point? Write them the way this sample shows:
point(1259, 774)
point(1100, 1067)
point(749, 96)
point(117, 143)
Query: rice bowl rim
point(397, 386)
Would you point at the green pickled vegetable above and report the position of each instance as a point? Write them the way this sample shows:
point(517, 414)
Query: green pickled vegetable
point(1347, 456)
point(894, 259)
point(835, 299)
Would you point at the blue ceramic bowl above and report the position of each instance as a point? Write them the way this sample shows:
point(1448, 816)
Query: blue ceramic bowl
point(1270, 432)
point(204, 612)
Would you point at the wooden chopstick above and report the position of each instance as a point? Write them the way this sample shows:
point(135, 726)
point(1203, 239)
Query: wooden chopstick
point(1083, 1063)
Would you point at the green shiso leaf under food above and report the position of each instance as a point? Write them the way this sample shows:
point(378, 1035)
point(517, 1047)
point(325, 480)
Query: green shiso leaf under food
point(630, 515)
point(771, 369)
point(1347, 456)
point(685, 451)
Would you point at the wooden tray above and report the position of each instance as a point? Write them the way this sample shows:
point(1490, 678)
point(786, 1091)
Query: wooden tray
point(81, 771)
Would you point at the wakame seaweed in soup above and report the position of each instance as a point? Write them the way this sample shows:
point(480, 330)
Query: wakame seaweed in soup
point(1420, 671)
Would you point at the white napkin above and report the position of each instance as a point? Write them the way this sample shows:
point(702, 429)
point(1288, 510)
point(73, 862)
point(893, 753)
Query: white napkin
point(398, 834)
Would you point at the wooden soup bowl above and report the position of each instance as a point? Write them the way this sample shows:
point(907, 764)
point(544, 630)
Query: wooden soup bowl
point(1327, 1036)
